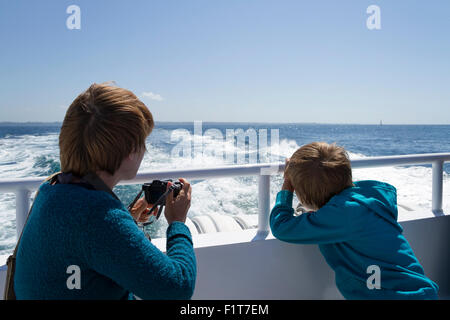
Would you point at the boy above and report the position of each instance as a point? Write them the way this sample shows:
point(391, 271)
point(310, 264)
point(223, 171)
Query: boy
point(354, 224)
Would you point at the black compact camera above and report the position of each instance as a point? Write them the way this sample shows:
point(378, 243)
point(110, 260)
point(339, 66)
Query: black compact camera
point(156, 193)
point(156, 189)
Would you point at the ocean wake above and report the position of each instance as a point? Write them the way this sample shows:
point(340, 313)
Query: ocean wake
point(38, 156)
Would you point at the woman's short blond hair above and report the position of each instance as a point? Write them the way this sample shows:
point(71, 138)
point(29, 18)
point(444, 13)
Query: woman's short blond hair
point(318, 171)
point(102, 126)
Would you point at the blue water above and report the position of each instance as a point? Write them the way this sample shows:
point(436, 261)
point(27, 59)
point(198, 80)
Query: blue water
point(370, 140)
point(32, 150)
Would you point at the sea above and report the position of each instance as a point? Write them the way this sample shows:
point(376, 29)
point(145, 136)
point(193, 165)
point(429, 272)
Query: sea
point(31, 150)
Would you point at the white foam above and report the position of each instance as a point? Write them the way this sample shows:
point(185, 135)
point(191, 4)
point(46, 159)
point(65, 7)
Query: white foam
point(228, 196)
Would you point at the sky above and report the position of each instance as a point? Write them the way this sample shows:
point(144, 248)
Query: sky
point(231, 61)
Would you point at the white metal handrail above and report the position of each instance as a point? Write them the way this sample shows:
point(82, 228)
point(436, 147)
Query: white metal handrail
point(23, 187)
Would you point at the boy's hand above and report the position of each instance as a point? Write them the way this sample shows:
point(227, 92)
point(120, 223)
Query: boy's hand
point(287, 185)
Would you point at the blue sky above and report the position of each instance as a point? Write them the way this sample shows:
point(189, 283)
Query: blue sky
point(235, 60)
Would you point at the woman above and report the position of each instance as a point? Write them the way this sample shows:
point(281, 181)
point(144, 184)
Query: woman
point(80, 242)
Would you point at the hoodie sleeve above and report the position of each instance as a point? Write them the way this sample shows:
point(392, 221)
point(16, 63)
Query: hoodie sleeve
point(330, 224)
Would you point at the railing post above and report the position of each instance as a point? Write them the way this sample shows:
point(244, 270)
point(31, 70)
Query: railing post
point(22, 208)
point(263, 205)
point(437, 186)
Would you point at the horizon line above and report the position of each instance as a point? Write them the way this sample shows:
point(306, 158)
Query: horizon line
point(244, 122)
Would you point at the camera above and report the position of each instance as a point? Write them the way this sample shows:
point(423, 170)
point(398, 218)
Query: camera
point(155, 194)
point(155, 189)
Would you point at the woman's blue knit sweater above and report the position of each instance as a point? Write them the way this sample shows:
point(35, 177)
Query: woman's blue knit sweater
point(73, 226)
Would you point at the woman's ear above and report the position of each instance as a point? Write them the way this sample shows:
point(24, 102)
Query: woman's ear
point(136, 155)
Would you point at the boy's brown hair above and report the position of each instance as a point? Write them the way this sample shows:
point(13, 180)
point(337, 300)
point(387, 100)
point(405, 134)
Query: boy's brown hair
point(102, 126)
point(318, 171)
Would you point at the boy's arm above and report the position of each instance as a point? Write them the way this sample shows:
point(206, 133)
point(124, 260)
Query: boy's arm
point(327, 225)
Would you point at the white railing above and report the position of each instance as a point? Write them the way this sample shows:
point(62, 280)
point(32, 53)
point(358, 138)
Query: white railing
point(23, 187)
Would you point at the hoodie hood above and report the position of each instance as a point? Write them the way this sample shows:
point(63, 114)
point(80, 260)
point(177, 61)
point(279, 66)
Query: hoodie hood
point(378, 197)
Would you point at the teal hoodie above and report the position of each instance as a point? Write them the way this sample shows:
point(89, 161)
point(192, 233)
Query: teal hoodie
point(357, 230)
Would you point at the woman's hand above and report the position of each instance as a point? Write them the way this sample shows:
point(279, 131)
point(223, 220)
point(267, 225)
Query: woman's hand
point(139, 212)
point(177, 209)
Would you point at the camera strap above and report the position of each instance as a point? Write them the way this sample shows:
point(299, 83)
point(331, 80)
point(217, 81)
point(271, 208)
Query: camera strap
point(161, 201)
point(89, 181)
point(131, 205)
point(98, 184)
